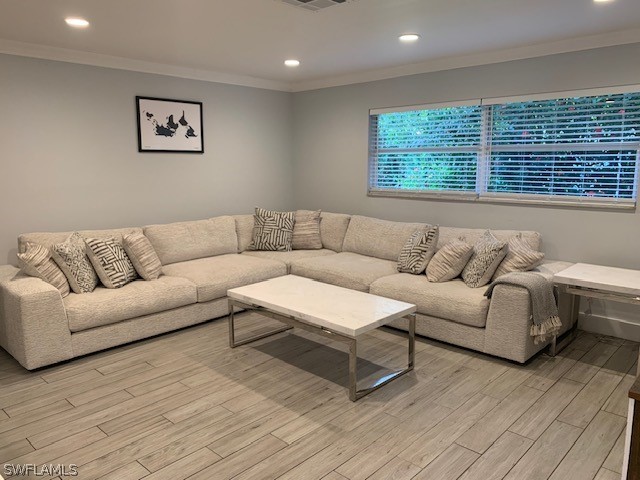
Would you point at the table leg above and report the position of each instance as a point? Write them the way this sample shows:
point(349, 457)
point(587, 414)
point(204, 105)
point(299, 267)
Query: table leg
point(556, 347)
point(232, 340)
point(353, 370)
point(354, 393)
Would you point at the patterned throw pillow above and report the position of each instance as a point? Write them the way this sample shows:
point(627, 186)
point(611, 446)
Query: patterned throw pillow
point(272, 231)
point(71, 258)
point(448, 262)
point(418, 250)
point(520, 257)
point(110, 262)
point(37, 262)
point(488, 252)
point(306, 231)
point(143, 256)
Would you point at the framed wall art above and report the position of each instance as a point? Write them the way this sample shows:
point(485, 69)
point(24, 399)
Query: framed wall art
point(169, 126)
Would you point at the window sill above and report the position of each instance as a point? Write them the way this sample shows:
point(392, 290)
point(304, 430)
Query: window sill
point(569, 202)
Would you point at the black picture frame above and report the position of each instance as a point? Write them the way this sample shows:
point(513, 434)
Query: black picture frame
point(160, 132)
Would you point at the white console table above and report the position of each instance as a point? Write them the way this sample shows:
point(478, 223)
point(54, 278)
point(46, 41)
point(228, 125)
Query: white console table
point(618, 285)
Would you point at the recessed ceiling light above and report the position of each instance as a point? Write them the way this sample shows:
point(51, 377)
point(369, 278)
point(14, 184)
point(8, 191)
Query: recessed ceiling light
point(292, 63)
point(602, 1)
point(76, 22)
point(409, 37)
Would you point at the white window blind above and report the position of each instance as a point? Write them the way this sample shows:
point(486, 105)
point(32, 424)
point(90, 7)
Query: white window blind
point(433, 150)
point(566, 149)
point(574, 150)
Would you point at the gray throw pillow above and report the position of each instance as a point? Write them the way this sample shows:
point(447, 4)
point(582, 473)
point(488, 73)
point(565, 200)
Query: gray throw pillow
point(110, 262)
point(71, 258)
point(306, 231)
point(520, 257)
point(272, 231)
point(418, 250)
point(448, 262)
point(143, 256)
point(36, 262)
point(488, 252)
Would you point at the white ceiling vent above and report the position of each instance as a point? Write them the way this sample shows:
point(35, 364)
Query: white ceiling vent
point(314, 5)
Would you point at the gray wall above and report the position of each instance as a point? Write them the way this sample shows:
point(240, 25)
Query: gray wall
point(330, 151)
point(69, 159)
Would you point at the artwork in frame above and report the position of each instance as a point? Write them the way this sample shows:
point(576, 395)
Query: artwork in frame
point(170, 126)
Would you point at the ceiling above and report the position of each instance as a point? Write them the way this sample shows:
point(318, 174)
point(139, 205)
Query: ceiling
point(246, 41)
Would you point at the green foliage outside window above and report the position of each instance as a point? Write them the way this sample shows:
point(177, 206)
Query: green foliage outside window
point(583, 146)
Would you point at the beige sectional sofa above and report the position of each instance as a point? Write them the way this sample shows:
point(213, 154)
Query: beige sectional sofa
point(203, 259)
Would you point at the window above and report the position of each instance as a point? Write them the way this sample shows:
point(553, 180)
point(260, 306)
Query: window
point(573, 150)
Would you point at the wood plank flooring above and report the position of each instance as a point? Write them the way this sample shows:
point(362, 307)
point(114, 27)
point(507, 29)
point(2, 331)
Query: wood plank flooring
point(184, 405)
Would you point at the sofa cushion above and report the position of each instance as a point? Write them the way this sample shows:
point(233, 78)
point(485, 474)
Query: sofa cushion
point(288, 257)
point(452, 300)
point(111, 262)
point(36, 261)
point(47, 239)
point(71, 258)
point(272, 230)
point(488, 252)
point(183, 241)
point(346, 269)
point(378, 238)
point(449, 261)
point(473, 235)
point(333, 228)
point(143, 256)
point(306, 231)
point(104, 306)
point(418, 250)
point(244, 230)
point(213, 276)
point(520, 257)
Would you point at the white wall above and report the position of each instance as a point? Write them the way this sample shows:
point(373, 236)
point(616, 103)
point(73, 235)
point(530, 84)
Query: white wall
point(69, 156)
point(330, 154)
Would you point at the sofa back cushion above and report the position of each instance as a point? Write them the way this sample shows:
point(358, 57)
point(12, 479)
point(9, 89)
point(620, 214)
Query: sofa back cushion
point(333, 228)
point(378, 238)
point(47, 239)
point(244, 230)
point(473, 235)
point(182, 241)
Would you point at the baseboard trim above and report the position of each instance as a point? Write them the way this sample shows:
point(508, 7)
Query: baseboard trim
point(615, 327)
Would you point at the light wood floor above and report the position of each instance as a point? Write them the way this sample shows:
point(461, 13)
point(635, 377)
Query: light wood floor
point(184, 405)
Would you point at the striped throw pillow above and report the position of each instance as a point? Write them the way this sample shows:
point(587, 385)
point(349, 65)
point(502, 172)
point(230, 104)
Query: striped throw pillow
point(520, 257)
point(36, 262)
point(111, 262)
point(306, 231)
point(143, 256)
point(418, 250)
point(449, 261)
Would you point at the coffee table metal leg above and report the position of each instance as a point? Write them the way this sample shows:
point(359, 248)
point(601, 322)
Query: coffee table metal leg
point(232, 340)
point(570, 335)
point(353, 370)
point(354, 393)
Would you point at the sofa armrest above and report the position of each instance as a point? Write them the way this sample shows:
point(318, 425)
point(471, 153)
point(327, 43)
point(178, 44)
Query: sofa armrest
point(509, 317)
point(33, 322)
point(549, 268)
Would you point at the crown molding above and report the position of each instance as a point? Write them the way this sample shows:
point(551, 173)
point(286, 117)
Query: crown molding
point(540, 50)
point(24, 49)
point(11, 47)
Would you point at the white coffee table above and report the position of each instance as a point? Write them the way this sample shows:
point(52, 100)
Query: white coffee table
point(334, 312)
